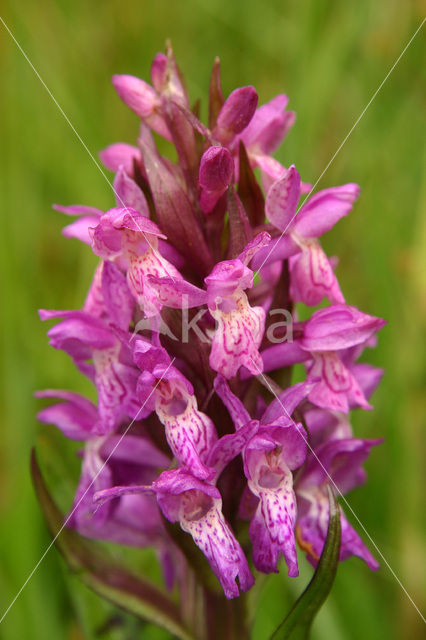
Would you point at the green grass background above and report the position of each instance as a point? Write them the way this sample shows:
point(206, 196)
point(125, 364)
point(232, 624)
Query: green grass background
point(329, 57)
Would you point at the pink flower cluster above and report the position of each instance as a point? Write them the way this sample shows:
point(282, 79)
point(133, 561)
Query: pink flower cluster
point(194, 431)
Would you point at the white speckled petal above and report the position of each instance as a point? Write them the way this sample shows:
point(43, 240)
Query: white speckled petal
point(272, 527)
point(190, 433)
point(237, 337)
point(213, 536)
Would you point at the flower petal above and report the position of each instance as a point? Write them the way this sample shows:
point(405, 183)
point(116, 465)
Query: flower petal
point(282, 199)
point(312, 277)
point(120, 154)
point(324, 209)
point(75, 417)
point(129, 194)
point(338, 327)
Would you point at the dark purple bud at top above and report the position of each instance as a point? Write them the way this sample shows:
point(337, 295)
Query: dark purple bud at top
point(236, 113)
point(216, 169)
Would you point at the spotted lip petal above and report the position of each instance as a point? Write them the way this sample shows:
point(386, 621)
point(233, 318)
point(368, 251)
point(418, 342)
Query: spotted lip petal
point(198, 507)
point(190, 433)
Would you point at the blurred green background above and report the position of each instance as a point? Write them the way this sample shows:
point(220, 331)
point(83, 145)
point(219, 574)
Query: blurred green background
point(329, 57)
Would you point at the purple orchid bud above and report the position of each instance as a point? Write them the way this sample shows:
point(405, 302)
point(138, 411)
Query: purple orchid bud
point(216, 169)
point(236, 113)
point(216, 172)
point(143, 100)
point(159, 71)
point(137, 94)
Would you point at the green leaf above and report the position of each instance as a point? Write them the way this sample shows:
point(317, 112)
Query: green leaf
point(296, 625)
point(102, 574)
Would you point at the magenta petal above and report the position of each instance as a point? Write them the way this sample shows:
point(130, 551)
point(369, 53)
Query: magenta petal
point(80, 229)
point(239, 414)
point(338, 327)
point(272, 527)
point(352, 545)
point(312, 530)
point(79, 331)
point(230, 445)
point(312, 277)
point(177, 294)
point(286, 402)
point(282, 198)
point(324, 209)
point(116, 294)
point(79, 210)
point(198, 508)
point(367, 376)
point(237, 338)
point(279, 248)
point(129, 194)
point(337, 388)
point(116, 384)
point(137, 94)
point(284, 354)
point(129, 519)
point(268, 126)
point(260, 241)
point(272, 530)
point(120, 154)
point(75, 417)
point(190, 433)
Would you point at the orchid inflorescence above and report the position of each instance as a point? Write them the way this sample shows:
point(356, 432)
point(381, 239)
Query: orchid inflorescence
point(197, 423)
